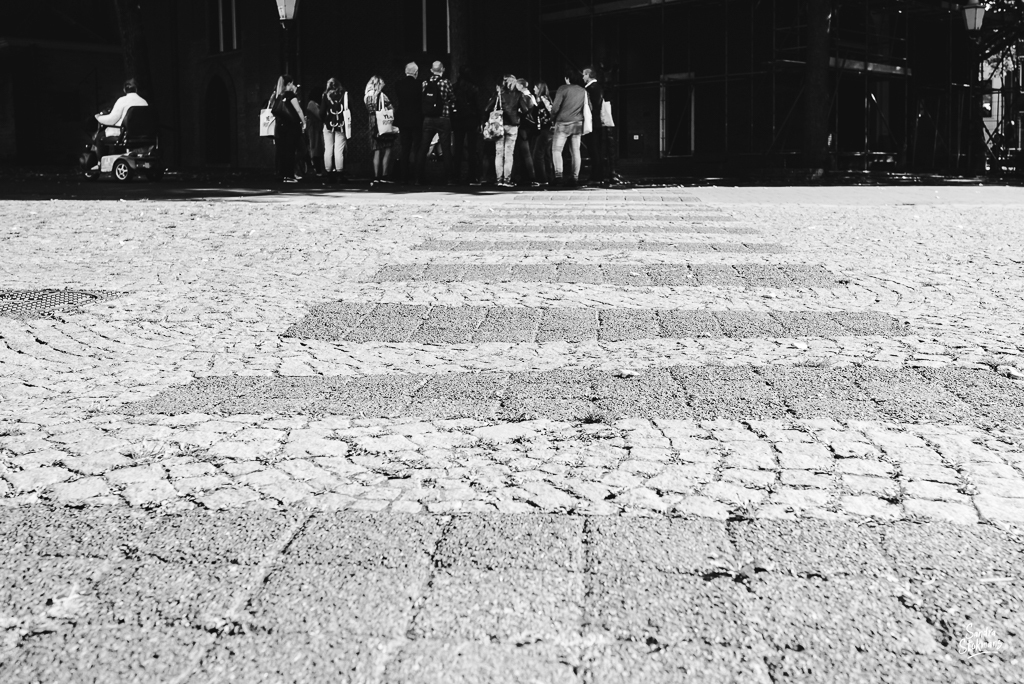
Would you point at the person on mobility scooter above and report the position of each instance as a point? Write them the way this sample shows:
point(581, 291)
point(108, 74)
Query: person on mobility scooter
point(125, 140)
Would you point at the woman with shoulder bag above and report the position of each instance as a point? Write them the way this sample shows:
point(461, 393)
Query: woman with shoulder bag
point(381, 143)
point(513, 100)
point(333, 108)
point(541, 145)
point(289, 123)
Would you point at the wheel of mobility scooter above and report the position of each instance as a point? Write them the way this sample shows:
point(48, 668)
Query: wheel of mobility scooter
point(122, 171)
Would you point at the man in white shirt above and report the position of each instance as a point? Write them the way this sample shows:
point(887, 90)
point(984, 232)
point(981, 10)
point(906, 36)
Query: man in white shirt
point(110, 124)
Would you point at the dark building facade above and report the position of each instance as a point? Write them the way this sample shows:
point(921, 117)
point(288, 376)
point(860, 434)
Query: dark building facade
point(715, 86)
point(697, 86)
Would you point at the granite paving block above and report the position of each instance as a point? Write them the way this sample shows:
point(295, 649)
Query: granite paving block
point(115, 653)
point(397, 273)
point(718, 275)
point(291, 658)
point(444, 273)
point(90, 532)
point(375, 395)
point(449, 325)
point(588, 245)
point(579, 273)
point(650, 393)
point(877, 666)
point(617, 325)
point(534, 273)
point(571, 325)
point(238, 536)
point(153, 593)
point(513, 542)
point(501, 605)
point(810, 324)
point(33, 585)
point(678, 663)
point(389, 323)
point(203, 395)
point(370, 541)
point(870, 323)
point(509, 324)
point(812, 276)
point(334, 599)
point(689, 324)
point(750, 324)
point(962, 608)
point(631, 275)
point(837, 616)
point(812, 392)
point(659, 545)
point(473, 395)
point(669, 609)
point(488, 273)
point(764, 275)
point(728, 392)
point(555, 395)
point(428, 661)
point(329, 321)
point(945, 551)
point(811, 548)
point(990, 394)
point(906, 396)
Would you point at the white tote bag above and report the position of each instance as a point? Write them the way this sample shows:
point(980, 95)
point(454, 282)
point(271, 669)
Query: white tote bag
point(267, 123)
point(606, 115)
point(347, 116)
point(385, 118)
point(588, 116)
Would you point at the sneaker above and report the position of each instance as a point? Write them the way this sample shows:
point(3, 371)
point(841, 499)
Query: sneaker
point(289, 179)
point(475, 183)
point(535, 184)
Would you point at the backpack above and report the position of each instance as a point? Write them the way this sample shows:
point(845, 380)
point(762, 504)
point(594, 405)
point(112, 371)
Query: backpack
point(280, 109)
point(433, 100)
point(334, 117)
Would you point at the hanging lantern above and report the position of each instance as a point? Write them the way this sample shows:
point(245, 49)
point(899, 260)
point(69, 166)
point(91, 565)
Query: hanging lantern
point(974, 14)
point(286, 9)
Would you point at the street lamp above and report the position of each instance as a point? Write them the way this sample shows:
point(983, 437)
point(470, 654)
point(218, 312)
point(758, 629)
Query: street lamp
point(974, 14)
point(286, 12)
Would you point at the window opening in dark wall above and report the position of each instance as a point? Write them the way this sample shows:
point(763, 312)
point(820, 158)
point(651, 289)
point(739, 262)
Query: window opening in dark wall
point(223, 25)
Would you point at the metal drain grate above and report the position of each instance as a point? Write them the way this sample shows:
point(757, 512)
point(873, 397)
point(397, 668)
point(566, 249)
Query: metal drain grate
point(25, 304)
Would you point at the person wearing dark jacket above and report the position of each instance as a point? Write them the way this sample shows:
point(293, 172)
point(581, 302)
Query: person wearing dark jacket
point(438, 110)
point(595, 140)
point(522, 169)
point(466, 126)
point(409, 119)
point(515, 101)
point(332, 112)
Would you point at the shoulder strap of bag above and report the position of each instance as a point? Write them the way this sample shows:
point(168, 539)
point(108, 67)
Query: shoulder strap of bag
point(346, 101)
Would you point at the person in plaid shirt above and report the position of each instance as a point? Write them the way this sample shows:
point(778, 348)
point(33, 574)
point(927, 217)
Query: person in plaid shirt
point(438, 108)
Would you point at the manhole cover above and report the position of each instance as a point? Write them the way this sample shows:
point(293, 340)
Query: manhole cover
point(44, 303)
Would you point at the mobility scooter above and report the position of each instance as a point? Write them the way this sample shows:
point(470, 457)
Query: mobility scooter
point(136, 149)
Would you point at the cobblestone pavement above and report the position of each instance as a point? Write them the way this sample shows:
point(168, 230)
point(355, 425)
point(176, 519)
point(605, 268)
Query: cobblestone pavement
point(704, 434)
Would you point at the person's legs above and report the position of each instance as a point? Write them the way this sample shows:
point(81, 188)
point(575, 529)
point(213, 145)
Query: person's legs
point(558, 139)
point(524, 159)
point(445, 141)
point(430, 128)
point(511, 134)
point(596, 146)
point(499, 159)
point(576, 160)
point(340, 145)
point(376, 164)
point(385, 165)
point(329, 150)
point(458, 145)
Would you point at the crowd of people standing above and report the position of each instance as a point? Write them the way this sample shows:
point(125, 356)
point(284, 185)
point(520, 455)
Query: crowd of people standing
point(534, 137)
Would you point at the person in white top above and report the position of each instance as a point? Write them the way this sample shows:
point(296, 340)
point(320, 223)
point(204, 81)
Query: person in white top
point(110, 123)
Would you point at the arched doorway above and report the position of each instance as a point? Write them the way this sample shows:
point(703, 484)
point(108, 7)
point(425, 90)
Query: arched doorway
point(218, 122)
